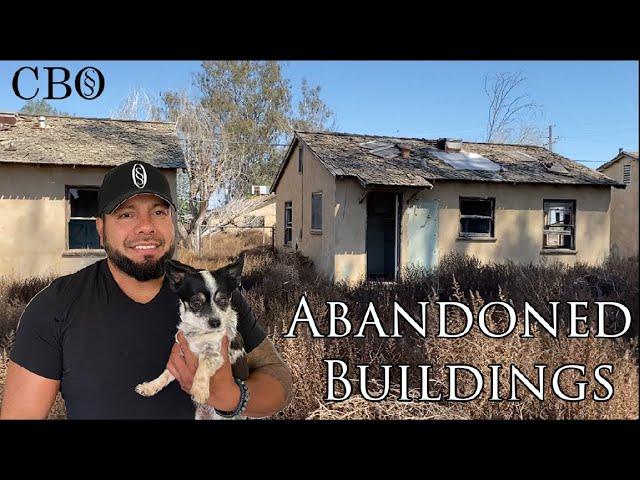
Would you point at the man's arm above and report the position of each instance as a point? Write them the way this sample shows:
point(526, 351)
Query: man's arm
point(27, 395)
point(270, 380)
point(35, 367)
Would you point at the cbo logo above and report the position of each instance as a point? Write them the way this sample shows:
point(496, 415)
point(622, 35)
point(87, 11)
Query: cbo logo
point(139, 175)
point(89, 82)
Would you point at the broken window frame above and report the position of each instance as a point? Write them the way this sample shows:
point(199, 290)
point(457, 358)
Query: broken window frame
point(491, 218)
point(288, 224)
point(71, 218)
point(559, 229)
point(316, 227)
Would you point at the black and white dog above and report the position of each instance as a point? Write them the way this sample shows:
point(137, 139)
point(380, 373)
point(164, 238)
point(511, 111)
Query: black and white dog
point(206, 314)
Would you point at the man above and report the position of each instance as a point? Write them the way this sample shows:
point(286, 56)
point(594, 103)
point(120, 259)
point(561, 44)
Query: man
point(94, 335)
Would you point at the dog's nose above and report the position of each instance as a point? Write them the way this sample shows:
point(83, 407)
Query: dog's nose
point(214, 322)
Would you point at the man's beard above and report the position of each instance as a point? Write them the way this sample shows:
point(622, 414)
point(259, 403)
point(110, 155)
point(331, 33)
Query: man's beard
point(149, 269)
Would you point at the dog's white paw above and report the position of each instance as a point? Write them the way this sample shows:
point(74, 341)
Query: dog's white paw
point(200, 392)
point(145, 389)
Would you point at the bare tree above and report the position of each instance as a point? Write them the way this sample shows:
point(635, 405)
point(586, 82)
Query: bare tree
point(140, 105)
point(212, 168)
point(511, 113)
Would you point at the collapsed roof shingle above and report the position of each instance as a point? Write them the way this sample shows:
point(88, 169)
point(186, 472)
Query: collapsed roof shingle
point(351, 155)
point(90, 142)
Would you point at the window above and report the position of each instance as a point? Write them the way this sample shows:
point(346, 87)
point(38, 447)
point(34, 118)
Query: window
point(288, 222)
point(559, 224)
point(626, 174)
point(300, 159)
point(82, 221)
point(476, 217)
point(316, 211)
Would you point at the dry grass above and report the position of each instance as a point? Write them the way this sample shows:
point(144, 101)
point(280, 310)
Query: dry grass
point(14, 297)
point(274, 283)
point(223, 247)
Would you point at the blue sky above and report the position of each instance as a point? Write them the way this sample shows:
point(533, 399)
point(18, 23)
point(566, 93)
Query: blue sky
point(593, 105)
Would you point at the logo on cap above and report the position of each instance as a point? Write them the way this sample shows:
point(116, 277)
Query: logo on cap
point(139, 175)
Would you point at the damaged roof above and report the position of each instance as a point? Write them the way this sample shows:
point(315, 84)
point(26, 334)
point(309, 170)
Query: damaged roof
point(88, 141)
point(378, 161)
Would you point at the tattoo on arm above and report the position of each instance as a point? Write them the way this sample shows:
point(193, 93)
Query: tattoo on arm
point(266, 359)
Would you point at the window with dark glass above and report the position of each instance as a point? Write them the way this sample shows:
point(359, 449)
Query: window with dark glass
point(82, 221)
point(476, 217)
point(316, 211)
point(288, 222)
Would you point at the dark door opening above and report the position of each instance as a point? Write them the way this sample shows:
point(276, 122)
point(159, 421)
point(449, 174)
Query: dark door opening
point(383, 234)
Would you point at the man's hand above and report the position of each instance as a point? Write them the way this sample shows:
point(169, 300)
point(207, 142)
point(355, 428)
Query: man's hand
point(224, 394)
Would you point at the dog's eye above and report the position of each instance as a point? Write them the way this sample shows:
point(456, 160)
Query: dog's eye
point(195, 304)
point(221, 300)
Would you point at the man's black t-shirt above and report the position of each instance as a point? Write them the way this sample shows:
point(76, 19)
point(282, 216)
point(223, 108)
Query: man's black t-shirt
point(86, 332)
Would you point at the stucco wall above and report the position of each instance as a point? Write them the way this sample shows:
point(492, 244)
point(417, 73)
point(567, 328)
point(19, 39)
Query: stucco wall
point(519, 222)
point(268, 212)
point(351, 232)
point(518, 226)
point(624, 209)
point(34, 216)
point(297, 188)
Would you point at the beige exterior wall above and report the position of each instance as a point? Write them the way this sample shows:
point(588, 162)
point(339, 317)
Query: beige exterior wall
point(624, 209)
point(519, 222)
point(268, 212)
point(351, 232)
point(297, 188)
point(34, 215)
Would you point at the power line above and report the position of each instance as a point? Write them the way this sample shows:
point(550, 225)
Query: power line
point(208, 140)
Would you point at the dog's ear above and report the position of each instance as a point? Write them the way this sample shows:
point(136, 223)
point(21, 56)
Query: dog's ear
point(234, 270)
point(176, 271)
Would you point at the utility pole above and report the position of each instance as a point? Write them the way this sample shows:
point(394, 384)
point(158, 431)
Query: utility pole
point(551, 140)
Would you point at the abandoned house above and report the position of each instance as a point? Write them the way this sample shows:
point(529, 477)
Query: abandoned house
point(624, 203)
point(50, 172)
point(365, 207)
point(255, 220)
point(262, 210)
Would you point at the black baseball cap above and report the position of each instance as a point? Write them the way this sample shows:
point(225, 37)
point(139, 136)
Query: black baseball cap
point(131, 179)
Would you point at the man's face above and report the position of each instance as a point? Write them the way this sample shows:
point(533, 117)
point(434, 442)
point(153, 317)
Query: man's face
point(138, 236)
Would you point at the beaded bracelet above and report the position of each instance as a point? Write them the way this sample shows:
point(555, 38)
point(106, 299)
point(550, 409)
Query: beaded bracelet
point(242, 404)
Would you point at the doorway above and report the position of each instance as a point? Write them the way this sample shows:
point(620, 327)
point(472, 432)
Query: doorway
point(383, 235)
